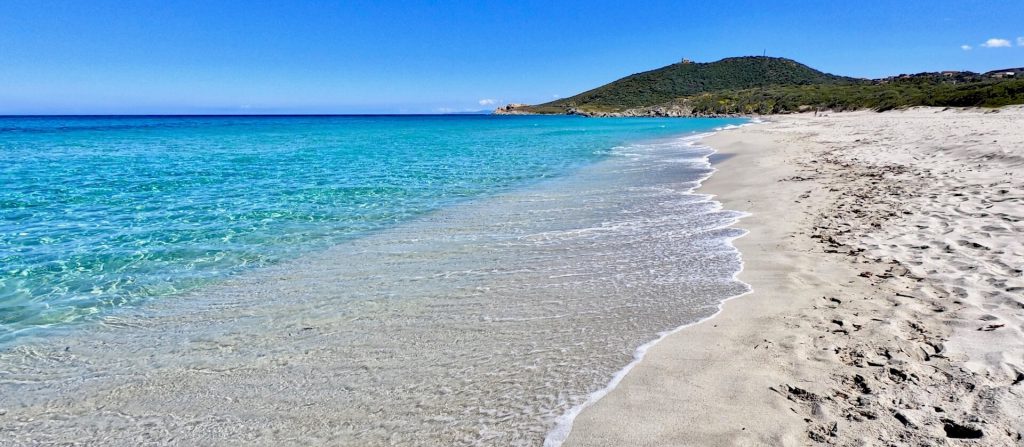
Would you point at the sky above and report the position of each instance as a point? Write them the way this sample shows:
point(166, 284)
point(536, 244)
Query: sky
point(253, 57)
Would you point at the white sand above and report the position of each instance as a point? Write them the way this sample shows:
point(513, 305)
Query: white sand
point(885, 252)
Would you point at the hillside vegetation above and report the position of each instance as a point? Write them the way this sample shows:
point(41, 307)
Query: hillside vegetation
point(688, 78)
point(765, 85)
point(793, 98)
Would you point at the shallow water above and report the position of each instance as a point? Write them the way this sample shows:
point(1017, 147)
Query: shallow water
point(479, 323)
point(101, 212)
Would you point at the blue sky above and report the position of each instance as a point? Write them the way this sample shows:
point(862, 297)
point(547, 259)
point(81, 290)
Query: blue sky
point(223, 56)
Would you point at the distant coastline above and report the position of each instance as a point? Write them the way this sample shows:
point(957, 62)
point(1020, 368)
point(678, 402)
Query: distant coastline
point(757, 85)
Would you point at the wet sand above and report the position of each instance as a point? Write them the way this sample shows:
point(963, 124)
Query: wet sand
point(885, 255)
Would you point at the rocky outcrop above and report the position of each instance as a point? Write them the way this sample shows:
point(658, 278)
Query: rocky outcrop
point(667, 110)
point(513, 109)
point(680, 110)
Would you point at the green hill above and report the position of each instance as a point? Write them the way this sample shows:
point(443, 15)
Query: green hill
point(689, 78)
point(745, 85)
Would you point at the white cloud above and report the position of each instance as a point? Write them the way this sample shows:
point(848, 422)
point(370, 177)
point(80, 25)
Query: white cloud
point(997, 43)
point(966, 47)
point(556, 96)
point(1020, 41)
point(487, 102)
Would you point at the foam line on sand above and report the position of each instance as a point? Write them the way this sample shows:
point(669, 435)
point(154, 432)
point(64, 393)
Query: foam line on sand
point(563, 425)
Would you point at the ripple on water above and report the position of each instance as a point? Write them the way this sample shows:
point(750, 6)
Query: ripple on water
point(478, 324)
point(100, 212)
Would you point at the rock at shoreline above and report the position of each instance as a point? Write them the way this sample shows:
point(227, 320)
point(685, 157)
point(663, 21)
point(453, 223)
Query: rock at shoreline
point(668, 110)
point(513, 109)
point(664, 110)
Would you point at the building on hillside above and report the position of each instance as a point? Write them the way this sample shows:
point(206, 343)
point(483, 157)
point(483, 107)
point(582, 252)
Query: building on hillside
point(1006, 73)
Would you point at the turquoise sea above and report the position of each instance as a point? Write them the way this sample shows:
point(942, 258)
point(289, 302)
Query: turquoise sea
point(343, 280)
point(98, 213)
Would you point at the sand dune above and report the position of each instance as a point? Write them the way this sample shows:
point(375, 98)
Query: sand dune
point(886, 254)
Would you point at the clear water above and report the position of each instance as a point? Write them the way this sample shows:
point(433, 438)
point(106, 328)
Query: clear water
point(100, 212)
point(473, 308)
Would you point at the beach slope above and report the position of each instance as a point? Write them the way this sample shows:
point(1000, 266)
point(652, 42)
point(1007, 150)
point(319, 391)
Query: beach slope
point(884, 252)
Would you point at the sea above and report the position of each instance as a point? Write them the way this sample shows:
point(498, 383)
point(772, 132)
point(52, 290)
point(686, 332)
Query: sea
point(343, 280)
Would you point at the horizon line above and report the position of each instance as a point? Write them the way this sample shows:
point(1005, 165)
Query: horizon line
point(237, 115)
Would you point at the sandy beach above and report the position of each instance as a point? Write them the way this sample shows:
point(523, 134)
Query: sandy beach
point(884, 252)
point(511, 224)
